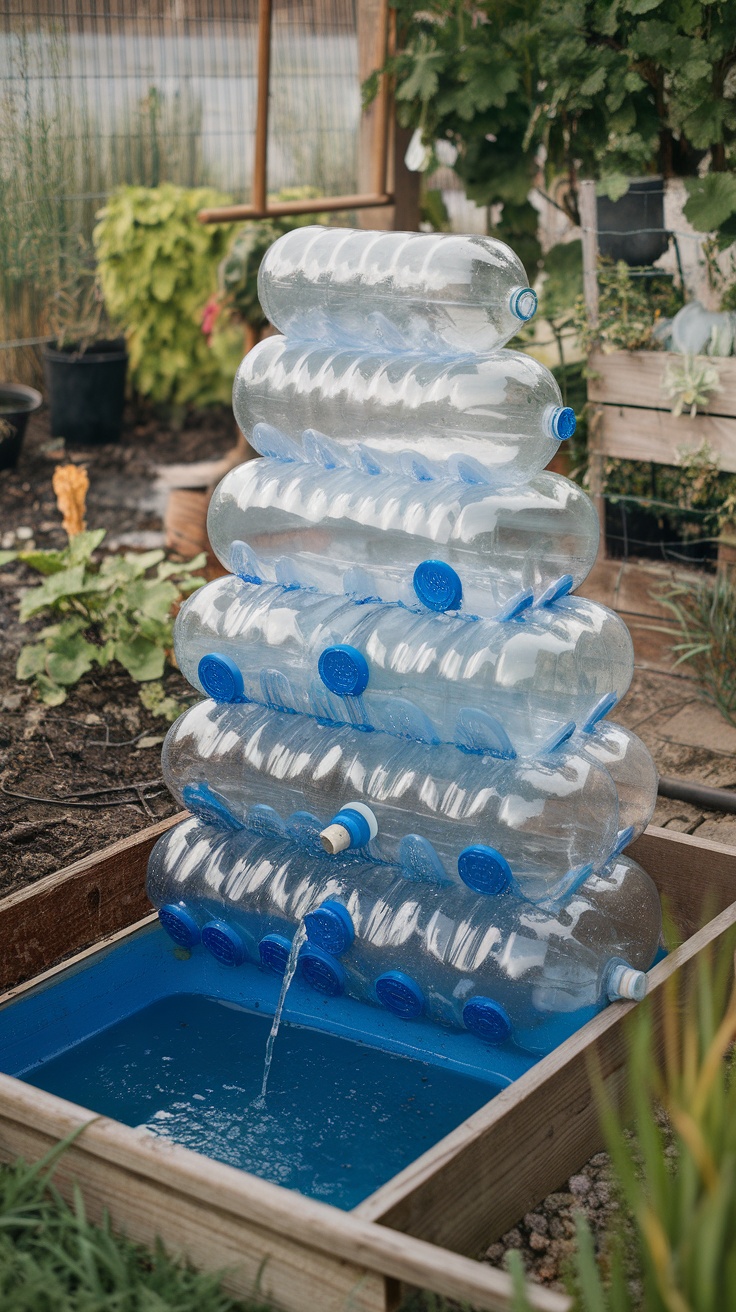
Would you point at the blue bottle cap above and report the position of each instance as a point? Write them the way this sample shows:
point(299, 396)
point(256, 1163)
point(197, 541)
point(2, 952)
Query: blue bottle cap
point(488, 1019)
point(330, 928)
point(400, 994)
point(437, 585)
point(224, 943)
point(344, 670)
point(322, 971)
point(179, 925)
point(599, 711)
point(563, 422)
point(484, 869)
point(221, 678)
point(356, 824)
point(274, 952)
point(208, 807)
point(558, 588)
point(523, 303)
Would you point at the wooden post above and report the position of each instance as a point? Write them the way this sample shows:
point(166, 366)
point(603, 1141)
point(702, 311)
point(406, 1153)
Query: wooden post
point(373, 138)
point(260, 163)
point(589, 225)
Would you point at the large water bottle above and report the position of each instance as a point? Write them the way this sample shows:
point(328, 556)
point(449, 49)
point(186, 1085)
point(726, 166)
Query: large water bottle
point(504, 687)
point(629, 763)
point(490, 963)
point(539, 825)
point(336, 530)
point(434, 292)
point(502, 413)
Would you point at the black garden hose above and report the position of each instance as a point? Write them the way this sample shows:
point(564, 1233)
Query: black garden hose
point(710, 799)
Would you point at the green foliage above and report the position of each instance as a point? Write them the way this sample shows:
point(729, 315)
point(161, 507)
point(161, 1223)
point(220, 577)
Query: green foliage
point(52, 1259)
point(157, 267)
point(119, 609)
point(628, 310)
point(678, 1234)
point(607, 89)
point(690, 382)
point(706, 628)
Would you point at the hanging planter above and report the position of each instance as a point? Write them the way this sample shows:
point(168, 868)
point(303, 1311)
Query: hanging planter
point(86, 389)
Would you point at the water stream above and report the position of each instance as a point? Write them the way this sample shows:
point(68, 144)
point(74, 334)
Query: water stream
point(289, 973)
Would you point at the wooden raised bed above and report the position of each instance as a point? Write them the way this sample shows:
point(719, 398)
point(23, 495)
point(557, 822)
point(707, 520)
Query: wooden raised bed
point(422, 1228)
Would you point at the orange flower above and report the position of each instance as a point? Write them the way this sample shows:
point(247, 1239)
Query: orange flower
point(70, 484)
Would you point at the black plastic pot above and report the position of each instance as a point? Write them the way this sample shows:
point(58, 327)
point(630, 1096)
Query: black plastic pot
point(86, 391)
point(17, 402)
point(632, 228)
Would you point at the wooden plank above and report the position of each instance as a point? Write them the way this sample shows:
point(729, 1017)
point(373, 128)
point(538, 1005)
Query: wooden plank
point(295, 1251)
point(589, 230)
point(478, 1181)
point(631, 434)
point(76, 906)
point(634, 378)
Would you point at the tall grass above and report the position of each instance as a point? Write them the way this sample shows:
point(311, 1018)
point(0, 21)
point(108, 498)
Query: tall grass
point(52, 1259)
point(706, 628)
point(58, 162)
point(674, 1249)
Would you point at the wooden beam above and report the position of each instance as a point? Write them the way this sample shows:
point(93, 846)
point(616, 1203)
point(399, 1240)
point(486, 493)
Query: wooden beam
point(629, 433)
point(260, 164)
point(634, 378)
point(292, 1251)
point(589, 225)
point(231, 213)
point(81, 904)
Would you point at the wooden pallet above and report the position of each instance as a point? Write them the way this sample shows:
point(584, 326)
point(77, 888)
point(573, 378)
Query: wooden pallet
point(424, 1227)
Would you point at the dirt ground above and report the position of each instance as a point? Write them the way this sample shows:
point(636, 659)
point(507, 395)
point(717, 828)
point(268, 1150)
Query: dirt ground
point(77, 777)
point(94, 761)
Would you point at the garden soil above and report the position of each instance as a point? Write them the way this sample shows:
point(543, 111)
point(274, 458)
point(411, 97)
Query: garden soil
point(76, 777)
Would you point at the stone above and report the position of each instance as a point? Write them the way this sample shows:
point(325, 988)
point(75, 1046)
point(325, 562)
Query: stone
point(538, 1242)
point(579, 1185)
point(537, 1223)
point(512, 1239)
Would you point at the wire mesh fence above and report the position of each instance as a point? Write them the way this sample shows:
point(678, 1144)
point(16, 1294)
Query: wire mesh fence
point(93, 96)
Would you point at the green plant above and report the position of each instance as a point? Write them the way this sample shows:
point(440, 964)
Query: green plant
point(117, 609)
point(53, 1259)
point(706, 627)
point(680, 1243)
point(690, 383)
point(59, 156)
point(606, 89)
point(157, 267)
point(628, 310)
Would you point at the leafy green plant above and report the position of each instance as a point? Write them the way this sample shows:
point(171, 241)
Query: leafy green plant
point(628, 310)
point(680, 1242)
point(706, 628)
point(53, 1259)
point(606, 89)
point(119, 609)
point(157, 267)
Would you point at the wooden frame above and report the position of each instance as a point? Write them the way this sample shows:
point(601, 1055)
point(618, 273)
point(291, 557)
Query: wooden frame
point(261, 208)
point(416, 1229)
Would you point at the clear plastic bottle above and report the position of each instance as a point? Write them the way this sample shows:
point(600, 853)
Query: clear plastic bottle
point(434, 292)
point(339, 530)
point(492, 964)
point(488, 685)
point(629, 763)
point(539, 825)
point(502, 412)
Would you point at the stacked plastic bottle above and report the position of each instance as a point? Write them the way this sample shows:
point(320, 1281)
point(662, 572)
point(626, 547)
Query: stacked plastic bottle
point(405, 742)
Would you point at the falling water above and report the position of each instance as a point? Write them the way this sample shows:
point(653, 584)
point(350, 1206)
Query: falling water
point(289, 973)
